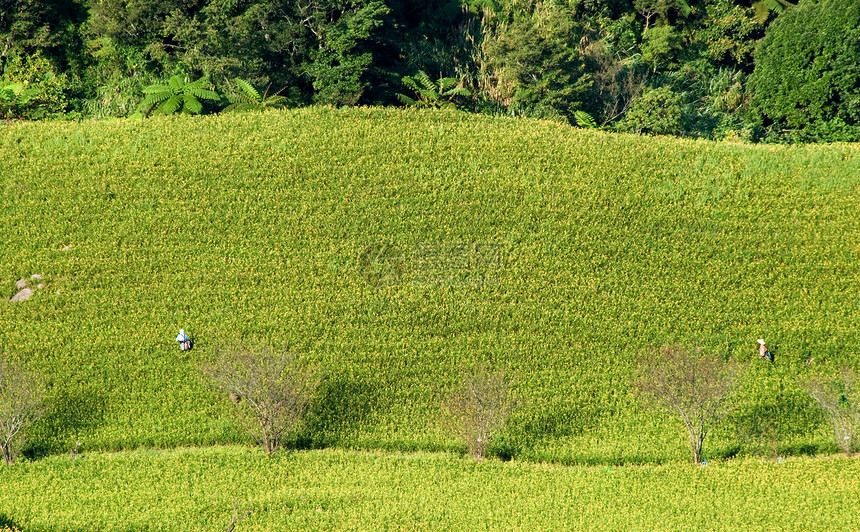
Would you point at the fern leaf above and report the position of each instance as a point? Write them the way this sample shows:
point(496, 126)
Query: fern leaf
point(154, 99)
point(150, 89)
point(445, 83)
point(204, 94)
point(406, 100)
point(237, 98)
point(10, 91)
point(428, 95)
point(761, 12)
point(191, 105)
point(775, 5)
point(458, 91)
point(274, 101)
point(248, 89)
point(240, 107)
point(424, 80)
point(410, 83)
point(175, 83)
point(584, 119)
point(171, 104)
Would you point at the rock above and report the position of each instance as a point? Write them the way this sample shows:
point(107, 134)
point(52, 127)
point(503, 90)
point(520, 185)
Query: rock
point(21, 284)
point(40, 286)
point(23, 295)
point(36, 277)
point(67, 248)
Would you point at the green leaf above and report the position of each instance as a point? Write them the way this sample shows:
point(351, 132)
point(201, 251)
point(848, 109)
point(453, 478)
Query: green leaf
point(192, 105)
point(171, 104)
point(425, 81)
point(248, 89)
point(406, 100)
point(584, 119)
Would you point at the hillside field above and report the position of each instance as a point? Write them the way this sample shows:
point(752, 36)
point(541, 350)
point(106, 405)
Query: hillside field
point(395, 248)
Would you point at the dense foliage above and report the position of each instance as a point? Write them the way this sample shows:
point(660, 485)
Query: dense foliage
point(806, 83)
point(648, 66)
point(396, 249)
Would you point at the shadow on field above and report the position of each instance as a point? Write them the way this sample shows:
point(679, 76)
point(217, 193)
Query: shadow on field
point(7, 523)
point(343, 404)
point(70, 412)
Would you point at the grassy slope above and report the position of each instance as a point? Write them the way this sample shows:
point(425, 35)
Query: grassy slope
point(196, 489)
point(599, 246)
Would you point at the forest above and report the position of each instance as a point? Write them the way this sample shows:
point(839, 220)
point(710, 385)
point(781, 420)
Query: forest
point(768, 70)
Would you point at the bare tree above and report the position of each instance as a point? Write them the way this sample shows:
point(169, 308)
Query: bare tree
point(234, 520)
point(271, 388)
point(21, 394)
point(479, 409)
point(840, 401)
point(690, 383)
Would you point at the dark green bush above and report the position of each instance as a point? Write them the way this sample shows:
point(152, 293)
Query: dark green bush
point(807, 72)
point(658, 111)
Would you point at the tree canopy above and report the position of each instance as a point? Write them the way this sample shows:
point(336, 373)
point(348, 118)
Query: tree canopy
point(806, 82)
point(654, 66)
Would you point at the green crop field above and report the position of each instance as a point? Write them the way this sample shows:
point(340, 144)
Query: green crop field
point(395, 248)
point(198, 489)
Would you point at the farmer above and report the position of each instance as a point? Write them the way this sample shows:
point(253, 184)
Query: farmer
point(184, 341)
point(762, 350)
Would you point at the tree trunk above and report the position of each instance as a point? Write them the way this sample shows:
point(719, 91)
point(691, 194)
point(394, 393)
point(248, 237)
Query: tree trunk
point(7, 457)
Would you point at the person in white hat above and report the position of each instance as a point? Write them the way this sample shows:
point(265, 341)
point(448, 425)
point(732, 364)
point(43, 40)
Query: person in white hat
point(762, 350)
point(184, 341)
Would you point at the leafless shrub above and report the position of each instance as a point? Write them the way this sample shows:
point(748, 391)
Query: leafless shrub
point(479, 409)
point(840, 400)
point(235, 518)
point(21, 394)
point(270, 388)
point(690, 383)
